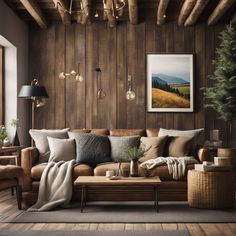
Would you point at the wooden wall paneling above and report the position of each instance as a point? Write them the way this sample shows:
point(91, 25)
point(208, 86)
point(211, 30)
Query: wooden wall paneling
point(179, 42)
point(169, 40)
point(151, 117)
point(140, 78)
point(121, 76)
point(80, 53)
point(209, 56)
point(91, 83)
point(219, 123)
point(60, 92)
point(1, 85)
point(189, 47)
point(200, 79)
point(131, 70)
point(71, 83)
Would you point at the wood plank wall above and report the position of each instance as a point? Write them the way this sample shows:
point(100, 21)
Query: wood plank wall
point(118, 52)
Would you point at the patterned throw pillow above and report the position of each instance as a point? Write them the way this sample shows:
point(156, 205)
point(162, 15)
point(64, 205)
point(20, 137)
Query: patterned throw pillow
point(91, 149)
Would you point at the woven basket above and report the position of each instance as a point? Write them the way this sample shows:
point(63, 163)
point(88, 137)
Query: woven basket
point(211, 189)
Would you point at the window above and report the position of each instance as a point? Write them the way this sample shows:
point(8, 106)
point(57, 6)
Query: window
point(1, 85)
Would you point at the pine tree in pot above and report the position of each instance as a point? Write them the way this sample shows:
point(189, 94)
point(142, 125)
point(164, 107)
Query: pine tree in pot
point(16, 124)
point(3, 134)
point(222, 95)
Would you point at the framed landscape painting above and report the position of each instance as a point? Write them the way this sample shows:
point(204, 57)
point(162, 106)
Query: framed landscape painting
point(170, 82)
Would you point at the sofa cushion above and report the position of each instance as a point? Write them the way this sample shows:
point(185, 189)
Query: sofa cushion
point(61, 149)
point(121, 144)
point(82, 169)
point(152, 132)
point(163, 172)
point(100, 131)
point(91, 149)
point(41, 141)
point(101, 169)
point(127, 132)
point(154, 146)
point(10, 171)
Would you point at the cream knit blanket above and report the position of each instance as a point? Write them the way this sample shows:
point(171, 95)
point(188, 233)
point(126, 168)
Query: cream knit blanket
point(176, 165)
point(55, 187)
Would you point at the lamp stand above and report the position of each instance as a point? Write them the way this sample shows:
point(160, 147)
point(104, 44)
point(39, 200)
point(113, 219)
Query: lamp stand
point(32, 119)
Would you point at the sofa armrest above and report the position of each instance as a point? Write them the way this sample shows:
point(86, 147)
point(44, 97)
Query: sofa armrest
point(203, 154)
point(29, 157)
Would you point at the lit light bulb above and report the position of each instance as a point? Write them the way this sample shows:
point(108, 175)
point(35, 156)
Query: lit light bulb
point(130, 95)
point(73, 73)
point(79, 78)
point(96, 14)
point(62, 75)
point(101, 94)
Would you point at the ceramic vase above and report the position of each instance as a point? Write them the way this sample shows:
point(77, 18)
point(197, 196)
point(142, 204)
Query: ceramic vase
point(134, 168)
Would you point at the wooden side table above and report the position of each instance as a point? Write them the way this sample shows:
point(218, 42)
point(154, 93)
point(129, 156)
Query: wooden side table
point(213, 189)
point(7, 152)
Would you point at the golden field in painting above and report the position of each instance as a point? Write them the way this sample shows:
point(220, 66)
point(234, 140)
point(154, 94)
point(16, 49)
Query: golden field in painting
point(163, 99)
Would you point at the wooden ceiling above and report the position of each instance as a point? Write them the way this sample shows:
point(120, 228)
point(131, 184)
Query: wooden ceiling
point(185, 12)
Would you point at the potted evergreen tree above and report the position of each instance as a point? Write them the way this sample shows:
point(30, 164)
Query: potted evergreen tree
point(222, 95)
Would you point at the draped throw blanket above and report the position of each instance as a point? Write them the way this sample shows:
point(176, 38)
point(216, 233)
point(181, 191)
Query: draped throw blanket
point(176, 165)
point(55, 187)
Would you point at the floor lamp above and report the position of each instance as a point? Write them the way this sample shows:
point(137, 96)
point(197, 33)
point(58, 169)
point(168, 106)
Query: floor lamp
point(36, 94)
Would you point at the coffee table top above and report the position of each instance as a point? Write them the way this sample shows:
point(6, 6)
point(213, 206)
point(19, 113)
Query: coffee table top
point(103, 180)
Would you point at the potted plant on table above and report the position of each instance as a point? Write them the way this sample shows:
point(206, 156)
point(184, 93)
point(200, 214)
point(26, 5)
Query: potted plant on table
point(3, 134)
point(133, 154)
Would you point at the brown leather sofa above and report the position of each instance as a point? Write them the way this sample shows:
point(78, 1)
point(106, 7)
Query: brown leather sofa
point(170, 190)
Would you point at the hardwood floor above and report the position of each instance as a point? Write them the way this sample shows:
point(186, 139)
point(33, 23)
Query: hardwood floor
point(8, 210)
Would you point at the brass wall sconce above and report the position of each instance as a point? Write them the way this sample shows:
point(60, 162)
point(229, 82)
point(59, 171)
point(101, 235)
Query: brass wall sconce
point(73, 73)
point(130, 94)
point(101, 93)
point(70, 10)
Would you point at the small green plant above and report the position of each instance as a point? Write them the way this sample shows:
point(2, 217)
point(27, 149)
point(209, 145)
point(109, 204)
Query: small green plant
point(3, 133)
point(134, 153)
point(15, 123)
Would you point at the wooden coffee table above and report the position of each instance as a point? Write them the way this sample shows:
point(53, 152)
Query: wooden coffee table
point(86, 181)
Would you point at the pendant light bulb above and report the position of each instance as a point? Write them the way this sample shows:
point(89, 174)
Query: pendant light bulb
point(130, 94)
point(79, 78)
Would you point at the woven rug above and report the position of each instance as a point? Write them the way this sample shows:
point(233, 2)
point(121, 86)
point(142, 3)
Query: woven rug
point(95, 233)
point(126, 212)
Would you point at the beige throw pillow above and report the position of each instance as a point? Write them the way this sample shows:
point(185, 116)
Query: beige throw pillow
point(155, 146)
point(41, 141)
point(179, 146)
point(61, 149)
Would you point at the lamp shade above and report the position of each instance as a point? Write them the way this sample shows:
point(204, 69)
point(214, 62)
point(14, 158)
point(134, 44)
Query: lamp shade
point(28, 91)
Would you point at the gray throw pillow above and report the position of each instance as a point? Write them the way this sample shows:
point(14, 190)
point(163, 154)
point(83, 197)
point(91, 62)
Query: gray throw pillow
point(91, 149)
point(120, 144)
point(41, 141)
point(61, 149)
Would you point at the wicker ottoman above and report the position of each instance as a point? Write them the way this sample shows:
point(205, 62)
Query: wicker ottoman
point(211, 189)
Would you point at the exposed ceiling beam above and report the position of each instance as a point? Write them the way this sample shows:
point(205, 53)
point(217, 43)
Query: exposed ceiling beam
point(108, 5)
point(161, 11)
point(133, 11)
point(34, 10)
point(233, 20)
point(186, 10)
point(84, 16)
point(61, 5)
point(197, 10)
point(220, 10)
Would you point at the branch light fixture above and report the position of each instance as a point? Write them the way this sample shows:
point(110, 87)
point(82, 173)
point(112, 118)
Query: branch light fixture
point(73, 73)
point(70, 10)
point(130, 94)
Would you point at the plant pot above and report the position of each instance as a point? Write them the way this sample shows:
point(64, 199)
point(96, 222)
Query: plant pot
point(134, 168)
point(16, 141)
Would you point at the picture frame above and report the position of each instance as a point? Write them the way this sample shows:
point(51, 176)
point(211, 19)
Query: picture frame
point(170, 82)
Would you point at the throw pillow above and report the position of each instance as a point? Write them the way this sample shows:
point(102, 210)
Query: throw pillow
point(154, 145)
point(41, 141)
point(91, 149)
point(121, 144)
point(179, 146)
point(61, 149)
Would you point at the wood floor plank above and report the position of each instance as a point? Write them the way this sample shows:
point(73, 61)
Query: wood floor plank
point(154, 227)
point(210, 230)
point(38, 226)
point(81, 227)
point(182, 226)
point(169, 226)
point(129, 227)
point(195, 230)
point(93, 226)
point(139, 227)
point(225, 229)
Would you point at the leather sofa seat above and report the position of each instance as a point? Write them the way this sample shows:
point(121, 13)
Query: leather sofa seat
point(79, 170)
point(101, 169)
point(10, 171)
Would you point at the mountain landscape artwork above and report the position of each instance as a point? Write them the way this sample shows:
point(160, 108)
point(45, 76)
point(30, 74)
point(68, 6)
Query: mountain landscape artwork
point(170, 82)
